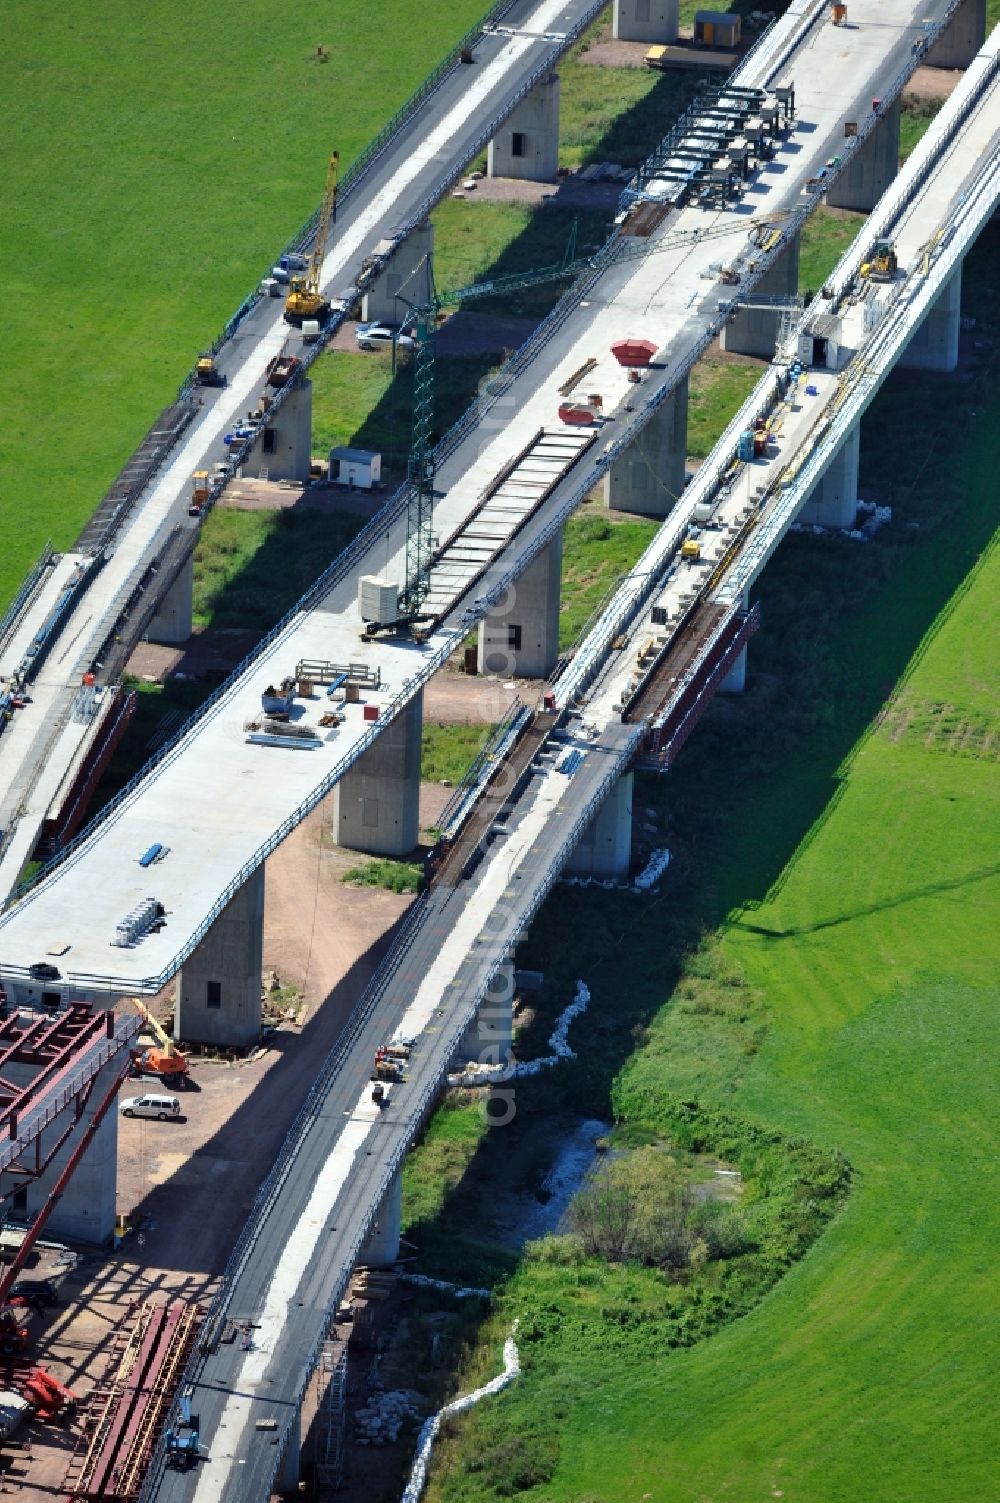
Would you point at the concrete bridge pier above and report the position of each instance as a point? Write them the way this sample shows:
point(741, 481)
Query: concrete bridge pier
point(382, 1246)
point(833, 502)
point(527, 145)
point(645, 20)
point(218, 986)
point(85, 1211)
point(519, 637)
point(754, 331)
point(284, 449)
point(405, 281)
point(961, 38)
point(376, 805)
point(606, 847)
point(934, 346)
point(290, 1470)
point(735, 680)
point(488, 1038)
point(865, 179)
point(649, 477)
point(174, 620)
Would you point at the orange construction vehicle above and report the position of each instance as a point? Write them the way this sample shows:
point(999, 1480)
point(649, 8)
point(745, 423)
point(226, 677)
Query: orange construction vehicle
point(162, 1058)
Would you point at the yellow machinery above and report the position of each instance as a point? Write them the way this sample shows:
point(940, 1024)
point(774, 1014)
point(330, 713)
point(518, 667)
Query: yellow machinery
point(199, 493)
point(208, 373)
point(883, 263)
point(305, 301)
point(691, 550)
point(165, 1060)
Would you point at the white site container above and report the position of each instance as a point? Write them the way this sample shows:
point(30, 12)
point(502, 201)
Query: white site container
point(360, 468)
point(378, 599)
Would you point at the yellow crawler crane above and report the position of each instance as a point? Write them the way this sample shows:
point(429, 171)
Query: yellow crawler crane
point(305, 301)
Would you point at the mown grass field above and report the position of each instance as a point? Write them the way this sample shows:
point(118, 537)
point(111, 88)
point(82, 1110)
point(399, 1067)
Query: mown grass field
point(157, 159)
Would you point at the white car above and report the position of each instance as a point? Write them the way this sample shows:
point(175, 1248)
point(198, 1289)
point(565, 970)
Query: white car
point(160, 1107)
point(381, 336)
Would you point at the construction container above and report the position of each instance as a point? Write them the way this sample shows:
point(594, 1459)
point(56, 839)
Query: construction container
point(13, 1412)
point(717, 28)
point(360, 468)
point(633, 351)
point(744, 450)
point(839, 15)
point(371, 712)
point(378, 599)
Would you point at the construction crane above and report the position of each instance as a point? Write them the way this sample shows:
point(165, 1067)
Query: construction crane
point(421, 468)
point(305, 301)
point(167, 1061)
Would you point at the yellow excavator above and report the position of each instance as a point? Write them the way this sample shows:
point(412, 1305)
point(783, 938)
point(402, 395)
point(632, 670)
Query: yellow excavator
point(162, 1058)
point(305, 301)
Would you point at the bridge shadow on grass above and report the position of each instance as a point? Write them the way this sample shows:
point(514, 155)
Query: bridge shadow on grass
point(194, 1216)
point(762, 773)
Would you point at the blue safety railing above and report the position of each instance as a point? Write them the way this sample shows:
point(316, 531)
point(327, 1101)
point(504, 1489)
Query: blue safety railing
point(481, 768)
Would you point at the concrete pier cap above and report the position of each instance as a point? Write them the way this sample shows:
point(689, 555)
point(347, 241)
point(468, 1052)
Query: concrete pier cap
point(833, 501)
point(174, 619)
point(527, 145)
point(405, 282)
point(519, 636)
point(646, 20)
point(605, 850)
point(649, 477)
point(219, 985)
point(376, 805)
point(754, 330)
point(382, 1247)
point(872, 168)
point(284, 449)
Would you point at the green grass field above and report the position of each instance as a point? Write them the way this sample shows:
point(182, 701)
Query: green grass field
point(156, 162)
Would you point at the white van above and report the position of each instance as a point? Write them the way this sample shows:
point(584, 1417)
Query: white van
point(161, 1107)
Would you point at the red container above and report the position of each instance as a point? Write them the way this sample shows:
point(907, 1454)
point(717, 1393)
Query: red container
point(633, 351)
point(371, 712)
point(577, 414)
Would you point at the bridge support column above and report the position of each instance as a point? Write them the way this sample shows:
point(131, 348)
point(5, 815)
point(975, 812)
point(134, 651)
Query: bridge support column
point(408, 273)
point(382, 1247)
point(85, 1211)
point(645, 20)
point(934, 346)
point(290, 1470)
point(865, 179)
point(961, 38)
point(284, 449)
point(606, 847)
point(489, 1036)
point(527, 145)
point(173, 621)
point(376, 804)
point(735, 680)
point(520, 635)
point(833, 502)
point(218, 987)
point(754, 331)
point(649, 478)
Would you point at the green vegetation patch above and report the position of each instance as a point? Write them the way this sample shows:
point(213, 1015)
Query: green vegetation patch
point(914, 119)
point(250, 567)
point(596, 553)
point(394, 876)
point(717, 389)
point(825, 237)
point(448, 749)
